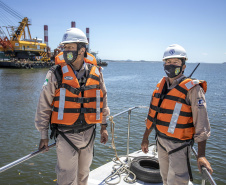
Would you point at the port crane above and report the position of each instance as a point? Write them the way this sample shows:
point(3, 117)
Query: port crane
point(19, 44)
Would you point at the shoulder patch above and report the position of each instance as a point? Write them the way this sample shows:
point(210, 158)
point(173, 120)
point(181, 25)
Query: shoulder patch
point(45, 82)
point(200, 102)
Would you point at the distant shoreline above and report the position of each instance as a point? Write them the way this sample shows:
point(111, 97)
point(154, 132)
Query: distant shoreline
point(106, 60)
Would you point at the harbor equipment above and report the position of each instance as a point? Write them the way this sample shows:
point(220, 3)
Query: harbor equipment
point(19, 44)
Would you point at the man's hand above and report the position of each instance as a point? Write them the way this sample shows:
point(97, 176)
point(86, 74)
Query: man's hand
point(145, 142)
point(202, 161)
point(104, 134)
point(44, 144)
point(144, 145)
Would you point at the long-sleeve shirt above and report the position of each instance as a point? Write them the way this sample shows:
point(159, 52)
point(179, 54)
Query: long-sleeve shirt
point(196, 98)
point(47, 94)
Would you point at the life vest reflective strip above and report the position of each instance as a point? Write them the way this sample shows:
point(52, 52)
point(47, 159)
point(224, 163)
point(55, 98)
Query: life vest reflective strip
point(68, 100)
point(173, 116)
point(89, 59)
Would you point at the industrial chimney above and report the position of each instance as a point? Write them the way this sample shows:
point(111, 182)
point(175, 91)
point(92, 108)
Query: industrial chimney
point(46, 34)
point(87, 35)
point(73, 24)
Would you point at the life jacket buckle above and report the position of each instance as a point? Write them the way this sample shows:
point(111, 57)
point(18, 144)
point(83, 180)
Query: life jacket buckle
point(80, 100)
point(162, 96)
point(85, 100)
point(154, 121)
point(83, 110)
point(158, 109)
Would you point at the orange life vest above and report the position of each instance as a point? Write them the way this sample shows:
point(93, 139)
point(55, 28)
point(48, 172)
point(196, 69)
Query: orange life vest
point(170, 114)
point(89, 59)
point(71, 100)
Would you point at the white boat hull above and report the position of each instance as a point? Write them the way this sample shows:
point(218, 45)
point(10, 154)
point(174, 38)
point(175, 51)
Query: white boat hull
point(99, 175)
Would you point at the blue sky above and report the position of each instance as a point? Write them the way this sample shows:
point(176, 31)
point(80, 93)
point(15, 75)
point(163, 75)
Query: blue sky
point(134, 29)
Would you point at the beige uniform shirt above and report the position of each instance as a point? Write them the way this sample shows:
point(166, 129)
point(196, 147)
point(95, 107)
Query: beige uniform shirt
point(196, 98)
point(47, 94)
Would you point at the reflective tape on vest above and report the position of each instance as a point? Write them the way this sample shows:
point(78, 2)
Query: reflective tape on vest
point(175, 116)
point(65, 69)
point(89, 58)
point(61, 104)
point(97, 71)
point(190, 84)
point(97, 104)
point(61, 57)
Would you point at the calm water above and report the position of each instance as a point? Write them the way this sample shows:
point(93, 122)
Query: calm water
point(128, 84)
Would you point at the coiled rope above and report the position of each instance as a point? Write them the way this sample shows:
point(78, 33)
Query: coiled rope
point(120, 167)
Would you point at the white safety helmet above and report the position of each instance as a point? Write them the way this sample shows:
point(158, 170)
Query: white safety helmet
point(74, 35)
point(175, 51)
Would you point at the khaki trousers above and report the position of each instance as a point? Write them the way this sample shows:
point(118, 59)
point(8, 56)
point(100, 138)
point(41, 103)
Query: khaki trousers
point(173, 167)
point(73, 167)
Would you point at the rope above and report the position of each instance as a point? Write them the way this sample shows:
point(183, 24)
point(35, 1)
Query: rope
point(112, 136)
point(120, 167)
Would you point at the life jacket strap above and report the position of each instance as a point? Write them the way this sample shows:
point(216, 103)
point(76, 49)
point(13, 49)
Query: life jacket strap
point(179, 88)
point(78, 100)
point(163, 123)
point(71, 89)
point(94, 77)
point(72, 145)
point(89, 87)
point(169, 111)
point(68, 140)
point(169, 97)
point(81, 110)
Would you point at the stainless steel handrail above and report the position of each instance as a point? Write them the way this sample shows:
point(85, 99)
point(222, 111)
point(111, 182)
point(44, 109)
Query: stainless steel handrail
point(129, 116)
point(14, 163)
point(205, 173)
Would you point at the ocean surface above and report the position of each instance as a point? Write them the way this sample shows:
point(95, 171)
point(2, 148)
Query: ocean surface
point(128, 84)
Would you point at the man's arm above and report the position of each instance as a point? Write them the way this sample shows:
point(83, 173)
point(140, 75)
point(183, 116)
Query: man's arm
point(106, 111)
point(44, 108)
point(196, 98)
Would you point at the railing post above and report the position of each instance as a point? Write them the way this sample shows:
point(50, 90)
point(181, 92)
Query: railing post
point(129, 115)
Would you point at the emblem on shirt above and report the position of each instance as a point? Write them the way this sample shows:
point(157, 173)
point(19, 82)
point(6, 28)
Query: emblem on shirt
point(200, 102)
point(45, 82)
point(70, 56)
point(68, 78)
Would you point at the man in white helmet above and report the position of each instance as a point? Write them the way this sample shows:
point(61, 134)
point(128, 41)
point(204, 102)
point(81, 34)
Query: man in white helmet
point(73, 99)
point(179, 116)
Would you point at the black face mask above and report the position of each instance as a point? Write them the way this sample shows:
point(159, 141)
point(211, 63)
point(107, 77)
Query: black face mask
point(70, 56)
point(172, 70)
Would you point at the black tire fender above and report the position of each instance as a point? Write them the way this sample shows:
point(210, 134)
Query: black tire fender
point(146, 169)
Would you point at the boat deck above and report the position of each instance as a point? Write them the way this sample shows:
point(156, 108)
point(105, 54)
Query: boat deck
point(99, 175)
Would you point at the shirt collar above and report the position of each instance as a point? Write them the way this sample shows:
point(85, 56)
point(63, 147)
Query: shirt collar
point(80, 73)
point(175, 82)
